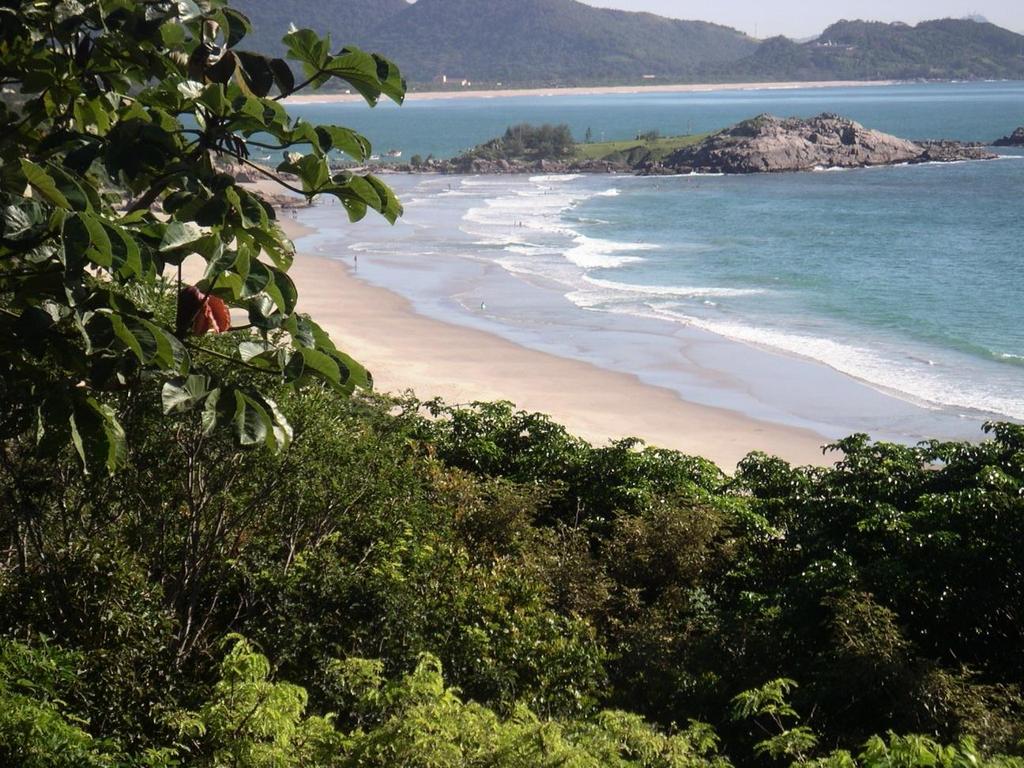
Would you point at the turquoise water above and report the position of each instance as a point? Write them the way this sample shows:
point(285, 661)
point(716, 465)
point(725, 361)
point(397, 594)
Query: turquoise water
point(443, 127)
point(908, 278)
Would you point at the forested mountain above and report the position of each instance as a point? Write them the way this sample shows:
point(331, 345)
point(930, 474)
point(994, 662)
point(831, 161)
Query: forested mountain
point(347, 21)
point(941, 49)
point(564, 42)
point(514, 41)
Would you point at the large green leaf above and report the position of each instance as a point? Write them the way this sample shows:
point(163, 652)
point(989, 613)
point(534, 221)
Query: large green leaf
point(97, 435)
point(322, 364)
point(282, 76)
point(126, 255)
point(100, 252)
point(251, 421)
point(358, 69)
point(309, 49)
point(392, 84)
point(346, 140)
point(179, 234)
point(259, 75)
point(184, 393)
point(285, 294)
point(43, 183)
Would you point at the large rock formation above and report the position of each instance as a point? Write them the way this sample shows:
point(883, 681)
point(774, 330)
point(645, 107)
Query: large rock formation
point(1015, 139)
point(767, 144)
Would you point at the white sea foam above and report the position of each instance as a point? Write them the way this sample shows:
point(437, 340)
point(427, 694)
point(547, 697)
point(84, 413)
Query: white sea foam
point(922, 382)
point(555, 178)
point(481, 183)
point(519, 215)
point(684, 291)
point(613, 192)
point(595, 253)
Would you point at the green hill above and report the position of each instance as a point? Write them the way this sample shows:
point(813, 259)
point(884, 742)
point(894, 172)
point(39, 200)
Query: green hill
point(564, 42)
point(513, 41)
point(347, 21)
point(856, 50)
point(551, 41)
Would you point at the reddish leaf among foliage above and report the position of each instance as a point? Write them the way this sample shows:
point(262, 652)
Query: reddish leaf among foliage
point(201, 313)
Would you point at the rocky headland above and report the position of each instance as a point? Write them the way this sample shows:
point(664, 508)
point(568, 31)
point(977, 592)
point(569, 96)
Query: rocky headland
point(1015, 139)
point(769, 144)
point(763, 144)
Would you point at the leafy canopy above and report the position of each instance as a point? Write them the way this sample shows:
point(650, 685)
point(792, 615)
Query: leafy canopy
point(119, 125)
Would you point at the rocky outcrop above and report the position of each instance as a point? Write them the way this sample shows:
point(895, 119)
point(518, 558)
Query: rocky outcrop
point(769, 144)
point(764, 144)
point(952, 151)
point(1015, 139)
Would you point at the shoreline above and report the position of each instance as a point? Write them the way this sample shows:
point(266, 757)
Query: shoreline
point(597, 90)
point(405, 350)
point(408, 351)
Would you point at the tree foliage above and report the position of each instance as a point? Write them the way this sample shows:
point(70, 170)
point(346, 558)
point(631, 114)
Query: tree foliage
point(528, 142)
point(545, 576)
point(406, 583)
point(116, 152)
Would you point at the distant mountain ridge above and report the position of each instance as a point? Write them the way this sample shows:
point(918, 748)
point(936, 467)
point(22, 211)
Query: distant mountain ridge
point(565, 42)
point(943, 49)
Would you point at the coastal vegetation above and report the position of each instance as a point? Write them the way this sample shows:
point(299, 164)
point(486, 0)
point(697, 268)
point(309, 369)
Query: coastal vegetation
point(525, 142)
point(219, 548)
point(646, 148)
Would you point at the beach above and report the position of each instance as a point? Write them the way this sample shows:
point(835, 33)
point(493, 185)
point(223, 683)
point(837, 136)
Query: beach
point(406, 351)
point(471, 93)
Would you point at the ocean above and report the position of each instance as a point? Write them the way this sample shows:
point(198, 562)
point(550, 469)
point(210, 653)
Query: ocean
point(885, 300)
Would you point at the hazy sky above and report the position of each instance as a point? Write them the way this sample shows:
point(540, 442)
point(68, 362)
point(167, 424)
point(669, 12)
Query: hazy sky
point(802, 18)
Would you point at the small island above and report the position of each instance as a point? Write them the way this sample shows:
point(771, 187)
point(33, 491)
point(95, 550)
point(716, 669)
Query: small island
point(1015, 139)
point(763, 144)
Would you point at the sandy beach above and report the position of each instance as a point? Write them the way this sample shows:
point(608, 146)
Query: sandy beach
point(470, 93)
point(407, 351)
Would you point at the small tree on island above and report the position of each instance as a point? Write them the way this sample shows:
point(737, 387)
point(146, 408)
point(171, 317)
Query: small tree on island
point(529, 142)
point(120, 123)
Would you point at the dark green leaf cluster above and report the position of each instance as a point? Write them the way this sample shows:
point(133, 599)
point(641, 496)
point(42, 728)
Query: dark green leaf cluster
point(118, 136)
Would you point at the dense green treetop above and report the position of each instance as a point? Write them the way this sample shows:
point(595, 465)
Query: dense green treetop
point(528, 142)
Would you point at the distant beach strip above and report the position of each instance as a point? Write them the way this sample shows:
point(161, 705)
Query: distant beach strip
point(469, 93)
